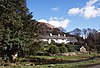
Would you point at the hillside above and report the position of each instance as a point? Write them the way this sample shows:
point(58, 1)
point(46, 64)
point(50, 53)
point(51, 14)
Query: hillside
point(45, 28)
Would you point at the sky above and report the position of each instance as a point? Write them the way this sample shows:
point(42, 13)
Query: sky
point(68, 14)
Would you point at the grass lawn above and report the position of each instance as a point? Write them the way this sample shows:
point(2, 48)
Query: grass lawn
point(68, 65)
point(59, 57)
point(78, 57)
point(65, 65)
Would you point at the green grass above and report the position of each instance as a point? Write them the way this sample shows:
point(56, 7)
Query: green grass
point(82, 56)
point(59, 57)
point(66, 65)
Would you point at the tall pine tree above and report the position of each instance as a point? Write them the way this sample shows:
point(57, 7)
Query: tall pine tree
point(16, 31)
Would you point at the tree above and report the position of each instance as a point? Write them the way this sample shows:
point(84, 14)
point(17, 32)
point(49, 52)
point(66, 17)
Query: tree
point(53, 49)
point(91, 37)
point(11, 25)
point(94, 31)
point(91, 31)
point(91, 41)
point(36, 47)
point(70, 48)
point(98, 48)
point(17, 29)
point(97, 39)
point(63, 49)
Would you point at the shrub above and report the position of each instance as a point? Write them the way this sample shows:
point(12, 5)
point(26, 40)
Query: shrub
point(60, 44)
point(98, 48)
point(53, 49)
point(52, 41)
point(63, 49)
point(87, 47)
point(70, 48)
point(35, 48)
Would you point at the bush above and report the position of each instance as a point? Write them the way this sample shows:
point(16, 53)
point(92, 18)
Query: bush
point(70, 48)
point(53, 49)
point(35, 48)
point(61, 44)
point(63, 49)
point(87, 47)
point(98, 48)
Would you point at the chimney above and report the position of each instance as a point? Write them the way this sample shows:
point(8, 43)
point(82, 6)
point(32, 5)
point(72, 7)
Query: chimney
point(64, 35)
point(50, 34)
point(58, 34)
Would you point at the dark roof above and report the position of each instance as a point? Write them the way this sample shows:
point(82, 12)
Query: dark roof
point(52, 37)
point(71, 39)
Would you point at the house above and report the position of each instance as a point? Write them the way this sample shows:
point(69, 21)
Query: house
point(57, 38)
point(82, 49)
point(49, 33)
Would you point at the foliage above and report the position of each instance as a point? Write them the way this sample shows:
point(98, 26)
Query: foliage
point(87, 47)
point(35, 48)
point(91, 41)
point(97, 39)
point(63, 49)
point(70, 48)
point(53, 49)
point(90, 38)
point(60, 44)
point(53, 42)
point(98, 48)
point(81, 64)
point(17, 31)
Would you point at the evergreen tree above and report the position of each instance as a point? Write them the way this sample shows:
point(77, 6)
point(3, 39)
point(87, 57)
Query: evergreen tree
point(16, 31)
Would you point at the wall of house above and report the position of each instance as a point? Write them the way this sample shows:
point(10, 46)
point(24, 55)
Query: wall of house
point(46, 40)
point(60, 41)
point(82, 49)
point(56, 40)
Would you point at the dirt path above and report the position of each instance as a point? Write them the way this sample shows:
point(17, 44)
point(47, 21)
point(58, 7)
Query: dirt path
point(39, 61)
point(96, 66)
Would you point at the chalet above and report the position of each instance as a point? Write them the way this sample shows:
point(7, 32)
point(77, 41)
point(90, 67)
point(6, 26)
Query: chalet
point(57, 38)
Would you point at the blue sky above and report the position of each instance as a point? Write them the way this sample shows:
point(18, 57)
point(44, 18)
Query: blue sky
point(68, 14)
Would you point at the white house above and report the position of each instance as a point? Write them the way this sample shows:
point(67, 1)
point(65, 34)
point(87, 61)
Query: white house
point(82, 49)
point(57, 38)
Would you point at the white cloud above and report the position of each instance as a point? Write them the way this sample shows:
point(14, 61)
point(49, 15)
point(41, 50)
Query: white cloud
point(88, 11)
point(57, 22)
point(55, 9)
point(91, 2)
point(56, 18)
point(42, 20)
point(74, 11)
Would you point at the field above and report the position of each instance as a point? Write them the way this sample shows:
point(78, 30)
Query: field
point(81, 61)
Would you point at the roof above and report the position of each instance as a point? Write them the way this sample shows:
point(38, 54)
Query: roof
point(52, 37)
point(71, 39)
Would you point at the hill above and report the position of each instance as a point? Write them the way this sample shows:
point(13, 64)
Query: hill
point(45, 28)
